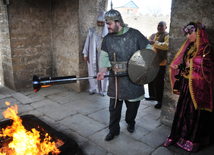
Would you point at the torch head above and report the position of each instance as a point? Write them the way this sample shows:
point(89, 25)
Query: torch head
point(36, 83)
point(39, 83)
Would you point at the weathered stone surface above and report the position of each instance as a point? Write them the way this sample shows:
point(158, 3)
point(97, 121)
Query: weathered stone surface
point(119, 144)
point(162, 151)
point(22, 98)
point(81, 128)
point(157, 137)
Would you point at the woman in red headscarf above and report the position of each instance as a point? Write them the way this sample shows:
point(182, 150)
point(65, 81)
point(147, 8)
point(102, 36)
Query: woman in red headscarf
point(191, 126)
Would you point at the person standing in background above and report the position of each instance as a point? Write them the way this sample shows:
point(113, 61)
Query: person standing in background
point(160, 43)
point(91, 53)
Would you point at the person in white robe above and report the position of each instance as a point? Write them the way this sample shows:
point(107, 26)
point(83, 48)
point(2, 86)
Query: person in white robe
point(91, 51)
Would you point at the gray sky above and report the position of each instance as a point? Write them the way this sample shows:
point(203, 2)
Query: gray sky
point(144, 5)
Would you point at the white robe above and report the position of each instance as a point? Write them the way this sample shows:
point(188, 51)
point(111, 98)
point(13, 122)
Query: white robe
point(92, 49)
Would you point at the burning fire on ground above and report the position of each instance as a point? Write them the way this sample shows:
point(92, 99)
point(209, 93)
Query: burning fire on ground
point(24, 142)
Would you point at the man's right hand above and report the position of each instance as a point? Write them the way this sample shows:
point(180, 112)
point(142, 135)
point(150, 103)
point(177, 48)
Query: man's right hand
point(100, 75)
point(86, 59)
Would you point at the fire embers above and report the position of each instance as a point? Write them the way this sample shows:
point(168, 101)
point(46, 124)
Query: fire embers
point(16, 140)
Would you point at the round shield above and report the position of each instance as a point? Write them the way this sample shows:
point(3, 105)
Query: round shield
point(143, 66)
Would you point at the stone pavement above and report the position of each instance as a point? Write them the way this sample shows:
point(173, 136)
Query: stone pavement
point(85, 118)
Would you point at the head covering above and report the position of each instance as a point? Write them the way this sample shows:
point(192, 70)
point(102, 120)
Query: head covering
point(114, 15)
point(192, 26)
point(201, 76)
point(101, 16)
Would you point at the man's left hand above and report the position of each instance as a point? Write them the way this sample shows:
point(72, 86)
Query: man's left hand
point(86, 59)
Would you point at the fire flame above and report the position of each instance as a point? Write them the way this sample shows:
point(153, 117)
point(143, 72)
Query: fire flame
point(25, 142)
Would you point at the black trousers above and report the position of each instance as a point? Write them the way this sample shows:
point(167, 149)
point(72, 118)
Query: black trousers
point(115, 114)
point(157, 85)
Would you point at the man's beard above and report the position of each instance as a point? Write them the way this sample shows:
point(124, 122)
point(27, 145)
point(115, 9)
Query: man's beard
point(115, 30)
point(99, 30)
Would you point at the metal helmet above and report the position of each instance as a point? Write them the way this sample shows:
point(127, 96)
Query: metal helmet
point(114, 15)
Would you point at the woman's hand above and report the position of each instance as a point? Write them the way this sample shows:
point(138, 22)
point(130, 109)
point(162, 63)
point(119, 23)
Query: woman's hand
point(174, 66)
point(187, 63)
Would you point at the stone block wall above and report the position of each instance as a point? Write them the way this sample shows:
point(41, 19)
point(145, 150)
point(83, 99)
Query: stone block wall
point(6, 69)
point(182, 13)
point(71, 20)
point(45, 38)
point(30, 40)
point(65, 38)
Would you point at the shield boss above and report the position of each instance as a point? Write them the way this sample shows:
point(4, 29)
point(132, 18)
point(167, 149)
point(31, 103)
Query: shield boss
point(143, 66)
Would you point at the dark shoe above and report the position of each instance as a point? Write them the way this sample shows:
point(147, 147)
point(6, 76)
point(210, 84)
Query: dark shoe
point(149, 98)
point(110, 136)
point(91, 93)
point(158, 105)
point(130, 129)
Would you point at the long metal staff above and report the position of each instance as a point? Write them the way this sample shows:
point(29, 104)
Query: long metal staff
point(143, 67)
point(39, 83)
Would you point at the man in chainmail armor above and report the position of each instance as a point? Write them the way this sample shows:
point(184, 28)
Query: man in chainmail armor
point(118, 46)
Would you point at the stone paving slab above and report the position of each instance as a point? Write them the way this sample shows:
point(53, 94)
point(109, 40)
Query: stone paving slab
point(153, 116)
point(24, 108)
point(33, 112)
point(5, 91)
point(162, 151)
point(121, 145)
point(91, 148)
point(138, 133)
point(42, 103)
point(101, 116)
point(56, 111)
point(11, 100)
point(36, 97)
point(86, 146)
point(52, 123)
point(66, 97)
point(85, 118)
point(148, 123)
point(96, 98)
point(22, 98)
point(84, 106)
point(82, 125)
point(157, 137)
point(2, 96)
point(51, 90)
